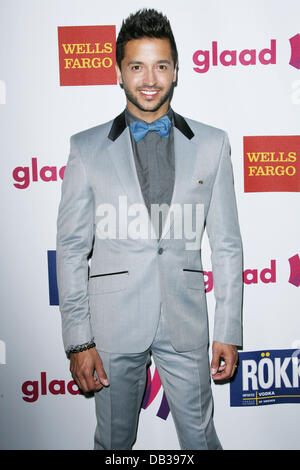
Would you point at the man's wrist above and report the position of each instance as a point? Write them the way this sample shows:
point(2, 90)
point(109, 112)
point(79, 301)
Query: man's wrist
point(81, 347)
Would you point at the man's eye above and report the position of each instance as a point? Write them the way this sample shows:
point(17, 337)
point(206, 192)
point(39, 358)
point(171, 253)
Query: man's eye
point(162, 67)
point(135, 67)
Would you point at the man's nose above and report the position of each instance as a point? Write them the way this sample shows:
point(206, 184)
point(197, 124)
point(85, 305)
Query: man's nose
point(150, 77)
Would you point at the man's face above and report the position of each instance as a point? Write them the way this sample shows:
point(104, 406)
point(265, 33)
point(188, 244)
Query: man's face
point(147, 74)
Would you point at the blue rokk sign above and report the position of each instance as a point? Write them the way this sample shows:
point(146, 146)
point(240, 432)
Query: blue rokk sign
point(266, 378)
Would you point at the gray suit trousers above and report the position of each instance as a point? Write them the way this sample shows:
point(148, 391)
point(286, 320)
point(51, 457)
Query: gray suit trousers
point(185, 378)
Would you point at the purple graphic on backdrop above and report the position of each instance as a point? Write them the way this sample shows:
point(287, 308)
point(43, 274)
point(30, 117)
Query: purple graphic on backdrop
point(295, 51)
point(152, 388)
point(295, 270)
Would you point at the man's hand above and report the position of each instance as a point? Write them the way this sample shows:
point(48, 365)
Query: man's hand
point(227, 353)
point(83, 366)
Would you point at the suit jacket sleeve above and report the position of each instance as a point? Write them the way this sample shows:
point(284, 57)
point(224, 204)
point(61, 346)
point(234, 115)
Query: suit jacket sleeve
point(74, 244)
point(226, 253)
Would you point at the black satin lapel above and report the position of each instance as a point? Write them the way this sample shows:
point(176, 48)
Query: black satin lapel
point(183, 126)
point(118, 126)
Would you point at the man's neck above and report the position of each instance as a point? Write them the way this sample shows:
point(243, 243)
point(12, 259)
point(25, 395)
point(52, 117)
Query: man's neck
point(132, 117)
point(148, 116)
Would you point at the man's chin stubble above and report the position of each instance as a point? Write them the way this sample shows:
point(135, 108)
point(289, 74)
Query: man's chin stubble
point(153, 110)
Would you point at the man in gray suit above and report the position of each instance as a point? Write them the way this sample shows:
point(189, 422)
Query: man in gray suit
point(137, 195)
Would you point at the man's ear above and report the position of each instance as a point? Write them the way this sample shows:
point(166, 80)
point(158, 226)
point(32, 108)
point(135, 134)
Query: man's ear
point(175, 74)
point(119, 74)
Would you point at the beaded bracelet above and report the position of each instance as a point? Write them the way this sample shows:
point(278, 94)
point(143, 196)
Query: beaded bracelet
point(80, 348)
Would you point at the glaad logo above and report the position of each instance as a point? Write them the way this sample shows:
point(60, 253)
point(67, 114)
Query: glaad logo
point(295, 270)
point(266, 378)
point(295, 51)
point(24, 175)
point(250, 276)
point(32, 389)
point(203, 59)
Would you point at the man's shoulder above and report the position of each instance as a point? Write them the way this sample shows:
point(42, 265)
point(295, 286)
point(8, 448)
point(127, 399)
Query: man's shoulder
point(93, 134)
point(202, 130)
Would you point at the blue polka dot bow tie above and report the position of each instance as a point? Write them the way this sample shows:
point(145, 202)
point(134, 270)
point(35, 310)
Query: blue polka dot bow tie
point(140, 128)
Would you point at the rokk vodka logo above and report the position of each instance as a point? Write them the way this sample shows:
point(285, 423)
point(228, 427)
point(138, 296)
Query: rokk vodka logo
point(266, 378)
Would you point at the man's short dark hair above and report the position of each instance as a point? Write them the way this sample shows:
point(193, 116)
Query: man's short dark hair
point(145, 23)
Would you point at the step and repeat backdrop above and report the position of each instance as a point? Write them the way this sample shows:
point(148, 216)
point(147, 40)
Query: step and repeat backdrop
point(239, 70)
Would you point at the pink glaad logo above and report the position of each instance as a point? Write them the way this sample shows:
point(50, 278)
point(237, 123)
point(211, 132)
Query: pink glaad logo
point(295, 51)
point(24, 175)
point(204, 59)
point(33, 389)
point(295, 270)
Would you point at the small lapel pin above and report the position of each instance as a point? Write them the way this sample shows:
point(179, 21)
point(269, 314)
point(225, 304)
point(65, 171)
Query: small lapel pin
point(200, 182)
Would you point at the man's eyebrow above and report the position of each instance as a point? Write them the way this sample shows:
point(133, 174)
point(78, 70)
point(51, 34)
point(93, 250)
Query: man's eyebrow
point(162, 61)
point(134, 62)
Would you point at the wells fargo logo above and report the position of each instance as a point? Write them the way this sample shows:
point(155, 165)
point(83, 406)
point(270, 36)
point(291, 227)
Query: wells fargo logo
point(272, 163)
point(87, 55)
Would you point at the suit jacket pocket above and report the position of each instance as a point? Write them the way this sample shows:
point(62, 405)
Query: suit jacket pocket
point(108, 282)
point(193, 278)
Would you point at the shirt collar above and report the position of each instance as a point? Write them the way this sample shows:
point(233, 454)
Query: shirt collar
point(129, 117)
point(119, 125)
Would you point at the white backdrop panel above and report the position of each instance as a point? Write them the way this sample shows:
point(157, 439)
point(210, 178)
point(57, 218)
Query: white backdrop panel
point(37, 117)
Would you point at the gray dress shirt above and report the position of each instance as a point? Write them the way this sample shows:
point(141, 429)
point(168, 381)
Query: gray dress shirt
point(155, 165)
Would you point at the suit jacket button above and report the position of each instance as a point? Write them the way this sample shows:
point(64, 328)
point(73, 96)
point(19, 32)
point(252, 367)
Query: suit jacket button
point(160, 251)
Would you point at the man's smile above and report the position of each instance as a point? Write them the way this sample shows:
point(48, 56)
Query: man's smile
point(149, 94)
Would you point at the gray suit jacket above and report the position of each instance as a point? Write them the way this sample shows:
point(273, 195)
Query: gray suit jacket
point(113, 274)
